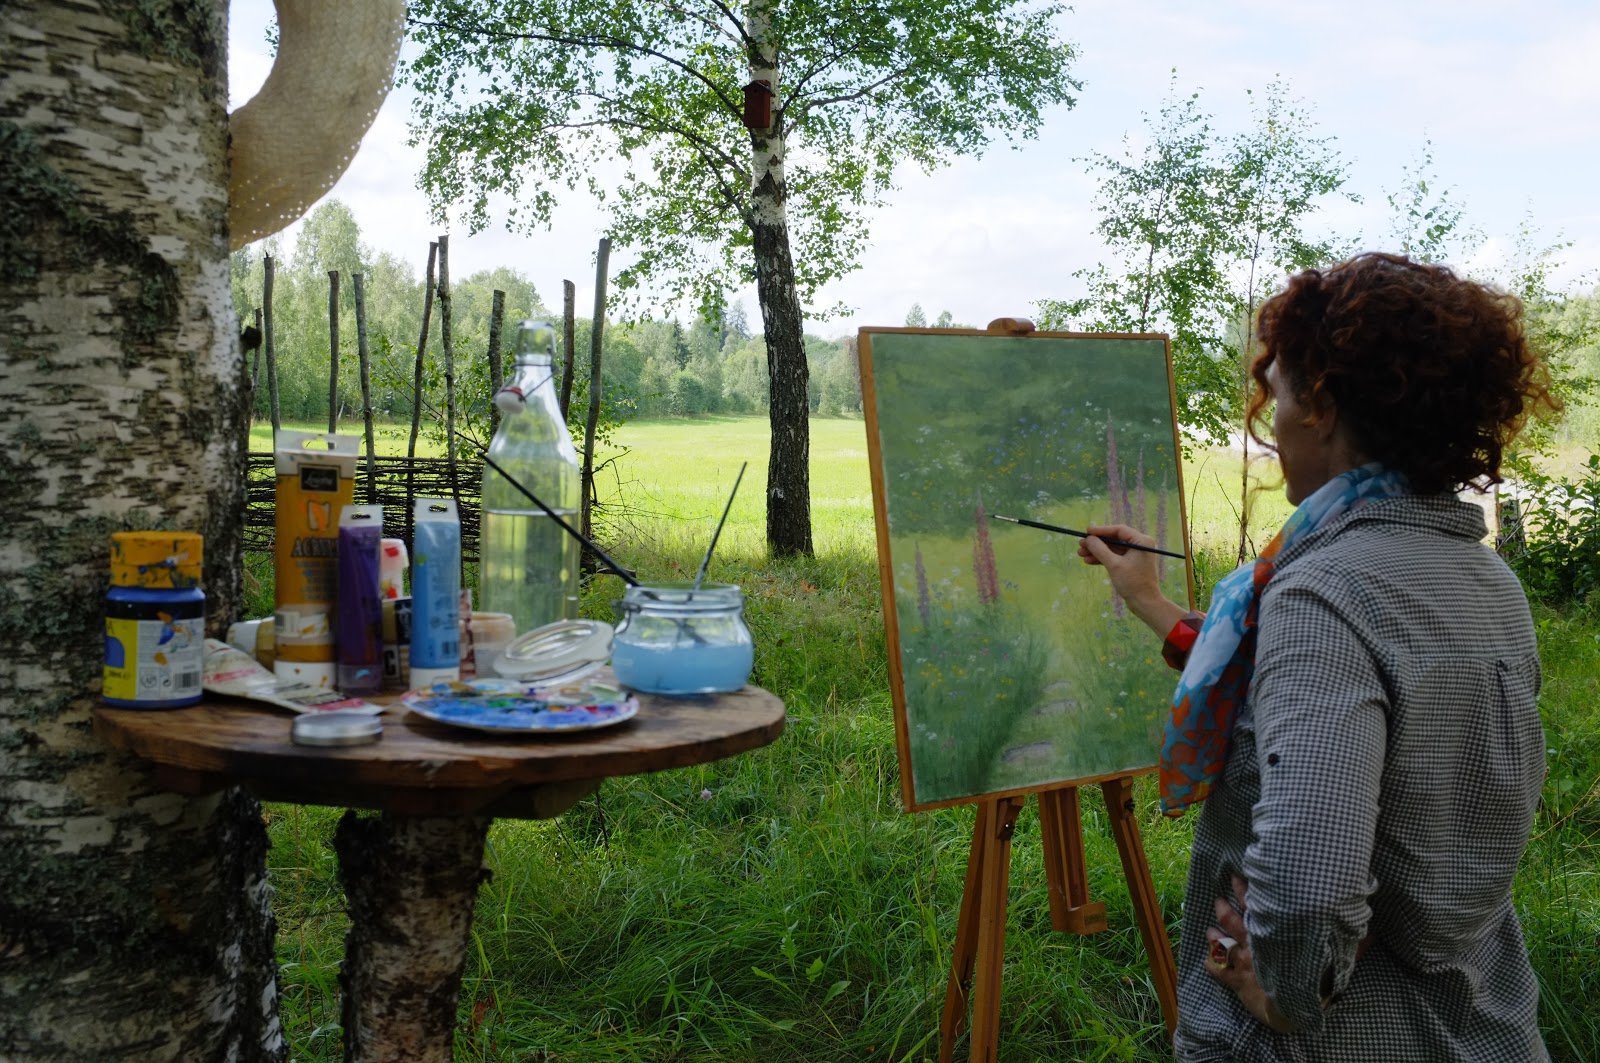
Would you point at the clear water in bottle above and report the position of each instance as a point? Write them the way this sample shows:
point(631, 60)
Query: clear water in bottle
point(528, 564)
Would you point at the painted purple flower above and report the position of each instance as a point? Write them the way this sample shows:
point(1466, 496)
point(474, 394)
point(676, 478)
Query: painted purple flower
point(983, 567)
point(1161, 526)
point(924, 607)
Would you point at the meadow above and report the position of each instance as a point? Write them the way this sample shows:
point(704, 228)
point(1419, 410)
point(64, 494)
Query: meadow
point(780, 905)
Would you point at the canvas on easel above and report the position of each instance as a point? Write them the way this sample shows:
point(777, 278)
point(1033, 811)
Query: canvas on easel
point(1014, 668)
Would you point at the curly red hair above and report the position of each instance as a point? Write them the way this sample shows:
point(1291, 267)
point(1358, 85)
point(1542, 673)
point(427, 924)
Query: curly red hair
point(1432, 374)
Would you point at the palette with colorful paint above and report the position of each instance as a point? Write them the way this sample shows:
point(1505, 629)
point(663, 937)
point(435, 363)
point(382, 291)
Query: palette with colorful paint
point(507, 706)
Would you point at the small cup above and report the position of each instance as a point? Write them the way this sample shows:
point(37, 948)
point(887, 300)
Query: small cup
point(483, 638)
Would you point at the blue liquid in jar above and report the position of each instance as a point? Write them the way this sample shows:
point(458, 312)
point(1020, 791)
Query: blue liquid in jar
point(682, 668)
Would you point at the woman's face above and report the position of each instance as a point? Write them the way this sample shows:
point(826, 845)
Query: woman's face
point(1304, 450)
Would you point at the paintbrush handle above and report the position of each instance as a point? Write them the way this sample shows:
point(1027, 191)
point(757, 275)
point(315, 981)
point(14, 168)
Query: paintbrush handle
point(1084, 535)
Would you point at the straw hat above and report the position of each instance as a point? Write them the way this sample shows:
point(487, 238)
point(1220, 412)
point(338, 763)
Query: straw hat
point(295, 138)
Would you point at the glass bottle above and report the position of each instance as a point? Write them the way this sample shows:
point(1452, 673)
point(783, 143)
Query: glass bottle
point(529, 565)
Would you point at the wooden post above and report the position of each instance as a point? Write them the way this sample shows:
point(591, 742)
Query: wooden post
point(266, 343)
point(497, 323)
point(1118, 793)
point(981, 934)
point(569, 337)
point(602, 262)
point(958, 990)
point(364, 361)
point(333, 350)
point(416, 391)
point(254, 378)
point(447, 347)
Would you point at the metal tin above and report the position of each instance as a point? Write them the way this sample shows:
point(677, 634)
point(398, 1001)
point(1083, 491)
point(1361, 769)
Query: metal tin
point(337, 727)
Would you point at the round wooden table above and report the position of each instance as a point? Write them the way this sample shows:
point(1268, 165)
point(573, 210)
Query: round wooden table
point(411, 876)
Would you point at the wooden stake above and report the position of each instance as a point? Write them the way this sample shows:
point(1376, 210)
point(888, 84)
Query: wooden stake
point(497, 321)
point(255, 378)
point(266, 342)
point(569, 335)
point(364, 361)
point(1146, 905)
point(602, 263)
point(333, 350)
point(447, 346)
point(416, 390)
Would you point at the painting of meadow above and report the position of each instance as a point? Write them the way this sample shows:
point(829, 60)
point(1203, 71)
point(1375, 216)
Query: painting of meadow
point(1016, 667)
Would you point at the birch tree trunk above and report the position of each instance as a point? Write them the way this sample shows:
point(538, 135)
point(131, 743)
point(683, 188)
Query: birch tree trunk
point(134, 924)
point(789, 457)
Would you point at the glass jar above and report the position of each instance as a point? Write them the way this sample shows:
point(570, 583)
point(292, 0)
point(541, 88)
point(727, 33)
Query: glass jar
point(676, 640)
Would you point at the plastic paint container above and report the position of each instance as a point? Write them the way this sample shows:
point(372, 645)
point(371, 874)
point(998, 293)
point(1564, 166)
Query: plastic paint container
point(358, 626)
point(435, 593)
point(155, 621)
point(676, 640)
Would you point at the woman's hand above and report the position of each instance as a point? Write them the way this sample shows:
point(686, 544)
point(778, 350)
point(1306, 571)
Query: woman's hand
point(1135, 574)
point(1231, 963)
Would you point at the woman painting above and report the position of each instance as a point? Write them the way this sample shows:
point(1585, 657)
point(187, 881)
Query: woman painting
point(1357, 711)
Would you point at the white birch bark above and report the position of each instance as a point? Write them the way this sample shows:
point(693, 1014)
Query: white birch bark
point(134, 923)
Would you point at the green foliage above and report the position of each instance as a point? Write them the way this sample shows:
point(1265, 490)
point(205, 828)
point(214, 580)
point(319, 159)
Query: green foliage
point(1202, 228)
point(1554, 543)
point(524, 97)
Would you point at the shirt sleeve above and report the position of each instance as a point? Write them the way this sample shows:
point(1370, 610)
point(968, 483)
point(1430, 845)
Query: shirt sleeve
point(1321, 710)
point(1180, 640)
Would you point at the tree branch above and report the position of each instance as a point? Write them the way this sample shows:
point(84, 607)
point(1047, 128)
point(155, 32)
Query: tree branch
point(712, 24)
point(738, 23)
point(613, 43)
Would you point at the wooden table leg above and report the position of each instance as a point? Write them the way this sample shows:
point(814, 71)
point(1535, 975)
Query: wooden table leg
point(1065, 868)
point(1146, 906)
point(411, 883)
point(966, 946)
point(994, 883)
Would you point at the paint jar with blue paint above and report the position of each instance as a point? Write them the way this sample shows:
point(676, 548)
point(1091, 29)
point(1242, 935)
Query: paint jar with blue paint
point(677, 639)
point(155, 621)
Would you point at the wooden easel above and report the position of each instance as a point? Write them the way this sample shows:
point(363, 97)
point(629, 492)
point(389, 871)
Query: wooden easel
point(980, 930)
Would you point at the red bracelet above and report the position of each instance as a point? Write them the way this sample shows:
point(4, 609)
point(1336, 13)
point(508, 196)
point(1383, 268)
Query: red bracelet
point(1180, 640)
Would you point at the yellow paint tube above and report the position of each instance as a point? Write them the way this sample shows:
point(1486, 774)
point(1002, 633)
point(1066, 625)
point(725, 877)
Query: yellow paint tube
point(316, 479)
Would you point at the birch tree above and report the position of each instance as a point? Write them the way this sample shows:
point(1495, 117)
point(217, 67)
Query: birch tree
point(646, 103)
point(134, 923)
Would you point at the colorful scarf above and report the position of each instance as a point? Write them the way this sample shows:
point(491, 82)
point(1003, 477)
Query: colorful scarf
point(1217, 676)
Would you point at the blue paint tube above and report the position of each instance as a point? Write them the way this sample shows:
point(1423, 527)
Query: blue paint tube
point(358, 618)
point(435, 593)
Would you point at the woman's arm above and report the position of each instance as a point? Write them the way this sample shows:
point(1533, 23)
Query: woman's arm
point(1320, 709)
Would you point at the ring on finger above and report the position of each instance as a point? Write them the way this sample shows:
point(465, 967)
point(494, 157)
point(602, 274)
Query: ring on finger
point(1221, 955)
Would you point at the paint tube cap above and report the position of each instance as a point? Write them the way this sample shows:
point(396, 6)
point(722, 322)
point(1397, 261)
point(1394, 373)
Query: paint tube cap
point(156, 560)
point(556, 653)
point(423, 678)
point(336, 727)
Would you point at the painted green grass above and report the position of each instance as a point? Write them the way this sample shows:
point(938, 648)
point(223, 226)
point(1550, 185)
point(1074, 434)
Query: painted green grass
point(796, 914)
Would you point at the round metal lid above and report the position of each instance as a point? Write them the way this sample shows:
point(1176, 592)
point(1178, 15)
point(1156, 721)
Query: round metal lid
point(556, 653)
point(336, 727)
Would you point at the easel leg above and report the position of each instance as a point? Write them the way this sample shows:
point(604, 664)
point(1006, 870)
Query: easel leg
point(996, 881)
point(981, 934)
point(1146, 907)
point(966, 945)
point(1066, 872)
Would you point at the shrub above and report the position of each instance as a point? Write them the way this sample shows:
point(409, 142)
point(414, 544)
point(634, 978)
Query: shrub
point(1553, 544)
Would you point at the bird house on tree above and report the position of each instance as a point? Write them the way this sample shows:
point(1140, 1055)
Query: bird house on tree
point(758, 105)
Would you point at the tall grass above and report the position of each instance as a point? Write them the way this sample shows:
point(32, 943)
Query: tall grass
point(779, 905)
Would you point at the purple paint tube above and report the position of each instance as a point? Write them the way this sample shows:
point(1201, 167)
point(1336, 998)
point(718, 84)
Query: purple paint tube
point(358, 631)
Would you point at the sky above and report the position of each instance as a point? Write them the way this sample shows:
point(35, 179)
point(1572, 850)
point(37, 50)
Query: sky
point(1508, 95)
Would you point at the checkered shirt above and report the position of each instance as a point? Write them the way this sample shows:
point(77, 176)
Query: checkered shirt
point(1382, 780)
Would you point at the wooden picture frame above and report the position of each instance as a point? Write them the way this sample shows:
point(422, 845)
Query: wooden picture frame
point(934, 400)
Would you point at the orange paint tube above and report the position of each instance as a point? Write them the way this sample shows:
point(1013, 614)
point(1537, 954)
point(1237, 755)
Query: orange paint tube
point(316, 479)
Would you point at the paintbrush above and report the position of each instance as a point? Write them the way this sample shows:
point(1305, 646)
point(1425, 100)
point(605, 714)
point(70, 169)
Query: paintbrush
point(1085, 535)
point(701, 575)
point(629, 577)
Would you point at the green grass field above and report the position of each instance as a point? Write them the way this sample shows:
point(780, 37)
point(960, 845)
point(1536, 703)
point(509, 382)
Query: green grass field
point(797, 914)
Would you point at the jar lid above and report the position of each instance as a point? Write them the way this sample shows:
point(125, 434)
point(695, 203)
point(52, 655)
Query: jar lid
point(708, 597)
point(156, 560)
point(556, 653)
point(336, 727)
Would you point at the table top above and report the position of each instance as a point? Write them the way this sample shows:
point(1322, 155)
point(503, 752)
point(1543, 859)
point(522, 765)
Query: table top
point(421, 767)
